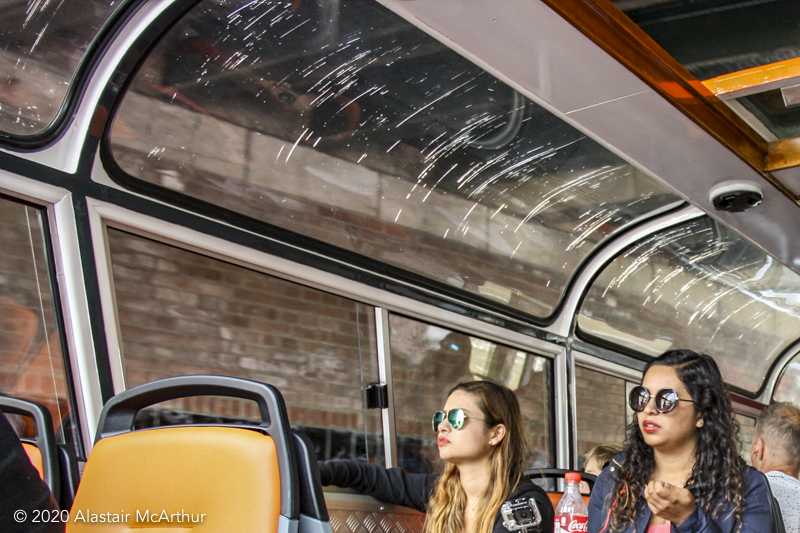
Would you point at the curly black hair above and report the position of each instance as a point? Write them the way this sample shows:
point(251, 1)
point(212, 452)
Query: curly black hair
point(718, 473)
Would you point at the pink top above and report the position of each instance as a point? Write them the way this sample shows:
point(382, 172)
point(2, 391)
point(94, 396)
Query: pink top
point(662, 528)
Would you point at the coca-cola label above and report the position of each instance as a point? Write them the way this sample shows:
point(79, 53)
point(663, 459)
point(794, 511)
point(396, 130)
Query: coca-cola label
point(571, 524)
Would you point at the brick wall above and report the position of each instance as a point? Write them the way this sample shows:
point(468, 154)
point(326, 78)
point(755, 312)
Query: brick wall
point(184, 313)
point(600, 406)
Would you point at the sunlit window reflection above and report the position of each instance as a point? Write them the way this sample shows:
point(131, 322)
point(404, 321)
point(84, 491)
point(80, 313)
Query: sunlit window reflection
point(698, 286)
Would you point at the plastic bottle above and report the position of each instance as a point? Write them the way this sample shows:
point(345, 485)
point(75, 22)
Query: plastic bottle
point(571, 513)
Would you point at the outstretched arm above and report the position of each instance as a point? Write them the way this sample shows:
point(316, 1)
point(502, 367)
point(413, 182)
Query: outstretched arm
point(391, 485)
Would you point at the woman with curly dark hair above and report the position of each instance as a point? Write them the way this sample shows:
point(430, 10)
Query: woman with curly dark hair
point(681, 470)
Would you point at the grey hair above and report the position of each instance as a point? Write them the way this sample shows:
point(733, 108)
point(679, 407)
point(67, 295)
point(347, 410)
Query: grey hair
point(779, 426)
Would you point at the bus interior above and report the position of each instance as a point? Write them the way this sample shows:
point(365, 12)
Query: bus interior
point(362, 203)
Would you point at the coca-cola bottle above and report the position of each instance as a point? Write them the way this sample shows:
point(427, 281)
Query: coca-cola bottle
point(571, 513)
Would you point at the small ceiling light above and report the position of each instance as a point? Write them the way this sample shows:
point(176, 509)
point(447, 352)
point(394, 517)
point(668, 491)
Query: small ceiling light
point(736, 196)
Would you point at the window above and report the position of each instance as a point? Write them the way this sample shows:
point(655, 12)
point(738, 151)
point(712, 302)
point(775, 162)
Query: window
point(787, 389)
point(428, 360)
point(601, 404)
point(698, 286)
point(42, 45)
point(184, 313)
point(31, 357)
point(747, 427)
point(344, 123)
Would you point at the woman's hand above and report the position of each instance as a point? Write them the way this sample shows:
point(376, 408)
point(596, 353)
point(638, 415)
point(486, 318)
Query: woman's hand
point(669, 502)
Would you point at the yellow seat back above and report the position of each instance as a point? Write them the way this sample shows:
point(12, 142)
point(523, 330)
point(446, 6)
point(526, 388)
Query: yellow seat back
point(35, 457)
point(204, 479)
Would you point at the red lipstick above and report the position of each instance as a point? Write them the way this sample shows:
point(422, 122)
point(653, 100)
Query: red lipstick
point(648, 426)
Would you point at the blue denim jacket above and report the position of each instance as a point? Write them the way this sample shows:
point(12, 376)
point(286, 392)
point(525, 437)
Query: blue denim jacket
point(756, 515)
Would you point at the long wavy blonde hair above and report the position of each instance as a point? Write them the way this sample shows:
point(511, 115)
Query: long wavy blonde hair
point(446, 506)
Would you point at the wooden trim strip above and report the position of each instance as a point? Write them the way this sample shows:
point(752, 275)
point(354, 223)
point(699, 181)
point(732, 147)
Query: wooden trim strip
point(614, 32)
point(783, 154)
point(751, 78)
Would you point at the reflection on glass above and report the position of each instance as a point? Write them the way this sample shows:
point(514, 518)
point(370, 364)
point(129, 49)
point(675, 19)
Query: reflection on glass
point(41, 47)
point(184, 313)
point(712, 37)
point(787, 389)
point(428, 361)
point(702, 287)
point(600, 406)
point(343, 122)
point(31, 360)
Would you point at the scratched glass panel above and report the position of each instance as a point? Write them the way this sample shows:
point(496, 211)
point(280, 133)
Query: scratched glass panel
point(698, 286)
point(42, 44)
point(343, 122)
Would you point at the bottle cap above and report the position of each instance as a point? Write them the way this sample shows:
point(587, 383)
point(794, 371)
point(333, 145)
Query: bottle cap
point(572, 477)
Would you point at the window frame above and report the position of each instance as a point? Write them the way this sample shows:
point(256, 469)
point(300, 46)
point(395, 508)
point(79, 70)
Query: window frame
point(70, 307)
point(78, 84)
point(104, 214)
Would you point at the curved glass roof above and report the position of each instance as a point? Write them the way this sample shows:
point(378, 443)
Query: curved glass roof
point(698, 286)
point(343, 122)
point(42, 44)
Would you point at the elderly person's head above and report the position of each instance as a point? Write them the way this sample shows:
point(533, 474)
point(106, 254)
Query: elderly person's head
point(776, 441)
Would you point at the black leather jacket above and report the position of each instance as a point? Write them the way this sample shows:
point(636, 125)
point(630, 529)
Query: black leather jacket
point(397, 487)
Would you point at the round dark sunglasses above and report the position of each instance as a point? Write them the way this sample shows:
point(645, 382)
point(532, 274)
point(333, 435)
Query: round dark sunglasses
point(665, 400)
point(455, 417)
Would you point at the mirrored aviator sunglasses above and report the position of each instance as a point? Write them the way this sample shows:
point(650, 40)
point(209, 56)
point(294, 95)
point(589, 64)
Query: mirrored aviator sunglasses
point(455, 417)
point(665, 400)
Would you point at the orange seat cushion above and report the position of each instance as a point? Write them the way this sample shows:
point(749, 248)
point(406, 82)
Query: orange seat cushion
point(35, 457)
point(205, 479)
point(555, 497)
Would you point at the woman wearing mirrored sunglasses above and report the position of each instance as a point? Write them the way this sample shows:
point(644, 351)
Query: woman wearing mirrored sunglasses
point(482, 442)
point(681, 470)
